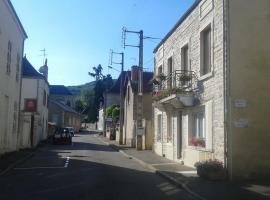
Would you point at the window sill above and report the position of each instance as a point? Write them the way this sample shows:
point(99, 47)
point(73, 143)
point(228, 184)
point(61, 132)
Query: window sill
point(206, 76)
point(200, 149)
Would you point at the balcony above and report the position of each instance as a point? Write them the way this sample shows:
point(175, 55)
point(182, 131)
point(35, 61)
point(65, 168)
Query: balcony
point(175, 91)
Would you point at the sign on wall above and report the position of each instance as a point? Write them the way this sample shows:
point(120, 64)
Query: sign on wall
point(30, 105)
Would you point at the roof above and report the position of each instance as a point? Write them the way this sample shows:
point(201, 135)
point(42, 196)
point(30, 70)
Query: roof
point(63, 106)
point(147, 86)
point(59, 90)
point(116, 86)
point(180, 21)
point(17, 18)
point(29, 70)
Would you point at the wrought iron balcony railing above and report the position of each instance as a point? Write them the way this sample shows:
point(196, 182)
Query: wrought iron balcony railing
point(179, 80)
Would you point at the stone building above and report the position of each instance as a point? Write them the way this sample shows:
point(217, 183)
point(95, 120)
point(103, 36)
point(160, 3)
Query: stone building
point(12, 37)
point(211, 100)
point(62, 108)
point(130, 109)
point(34, 106)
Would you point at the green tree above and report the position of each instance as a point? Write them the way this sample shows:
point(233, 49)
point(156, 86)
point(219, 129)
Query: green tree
point(95, 97)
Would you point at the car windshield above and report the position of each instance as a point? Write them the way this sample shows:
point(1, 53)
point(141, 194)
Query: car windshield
point(61, 130)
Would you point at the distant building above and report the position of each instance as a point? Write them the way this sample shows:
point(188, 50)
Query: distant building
point(62, 107)
point(61, 94)
point(34, 106)
point(63, 116)
point(130, 109)
point(12, 36)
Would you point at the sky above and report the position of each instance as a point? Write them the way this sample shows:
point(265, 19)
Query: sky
point(78, 34)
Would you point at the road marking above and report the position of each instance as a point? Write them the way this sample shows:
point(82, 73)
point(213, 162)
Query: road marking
point(47, 167)
point(66, 163)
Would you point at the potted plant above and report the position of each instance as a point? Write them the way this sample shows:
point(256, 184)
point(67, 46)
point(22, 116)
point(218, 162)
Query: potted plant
point(161, 77)
point(211, 170)
point(197, 142)
point(185, 77)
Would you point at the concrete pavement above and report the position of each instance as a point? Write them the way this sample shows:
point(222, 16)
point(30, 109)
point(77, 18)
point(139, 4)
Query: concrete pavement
point(186, 177)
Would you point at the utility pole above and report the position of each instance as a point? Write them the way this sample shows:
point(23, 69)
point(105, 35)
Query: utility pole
point(139, 125)
point(121, 92)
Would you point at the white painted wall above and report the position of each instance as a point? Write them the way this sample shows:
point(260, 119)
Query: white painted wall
point(9, 87)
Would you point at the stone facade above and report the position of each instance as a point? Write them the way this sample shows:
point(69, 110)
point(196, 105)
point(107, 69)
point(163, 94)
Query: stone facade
point(209, 87)
point(12, 36)
point(230, 105)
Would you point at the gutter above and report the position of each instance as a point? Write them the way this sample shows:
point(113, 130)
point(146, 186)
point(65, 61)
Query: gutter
point(226, 83)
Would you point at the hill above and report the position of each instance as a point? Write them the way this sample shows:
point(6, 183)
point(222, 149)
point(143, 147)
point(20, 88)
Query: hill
point(76, 89)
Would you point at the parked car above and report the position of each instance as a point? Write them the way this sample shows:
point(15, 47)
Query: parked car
point(71, 130)
point(62, 135)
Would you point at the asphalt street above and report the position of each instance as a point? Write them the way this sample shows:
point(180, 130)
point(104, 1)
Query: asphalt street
point(87, 169)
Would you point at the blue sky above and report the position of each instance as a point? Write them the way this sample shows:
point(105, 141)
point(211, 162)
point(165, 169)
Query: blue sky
point(78, 34)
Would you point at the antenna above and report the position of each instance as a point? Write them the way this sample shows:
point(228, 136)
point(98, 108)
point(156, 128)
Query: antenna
point(44, 55)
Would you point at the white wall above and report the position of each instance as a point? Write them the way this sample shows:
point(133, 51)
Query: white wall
point(9, 87)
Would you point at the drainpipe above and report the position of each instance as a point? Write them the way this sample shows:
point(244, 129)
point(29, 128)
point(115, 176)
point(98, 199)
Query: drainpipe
point(226, 83)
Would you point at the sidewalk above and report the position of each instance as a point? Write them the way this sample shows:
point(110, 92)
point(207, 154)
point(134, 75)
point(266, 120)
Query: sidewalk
point(11, 159)
point(186, 177)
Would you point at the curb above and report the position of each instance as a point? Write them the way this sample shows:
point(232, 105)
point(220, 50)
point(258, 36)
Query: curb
point(12, 165)
point(156, 171)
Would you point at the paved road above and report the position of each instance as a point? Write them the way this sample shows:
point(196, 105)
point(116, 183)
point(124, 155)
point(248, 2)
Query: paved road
point(88, 170)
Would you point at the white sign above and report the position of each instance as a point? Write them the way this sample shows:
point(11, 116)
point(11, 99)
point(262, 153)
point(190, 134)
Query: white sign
point(240, 103)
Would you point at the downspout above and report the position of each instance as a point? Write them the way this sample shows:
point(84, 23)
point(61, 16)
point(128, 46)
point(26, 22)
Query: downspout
point(226, 83)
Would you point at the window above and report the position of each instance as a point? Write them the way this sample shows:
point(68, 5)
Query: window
point(9, 57)
point(206, 51)
point(184, 58)
point(44, 98)
point(18, 67)
point(198, 134)
point(169, 72)
point(160, 70)
point(159, 127)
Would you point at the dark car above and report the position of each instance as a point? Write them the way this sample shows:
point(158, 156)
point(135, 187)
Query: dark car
point(71, 130)
point(62, 135)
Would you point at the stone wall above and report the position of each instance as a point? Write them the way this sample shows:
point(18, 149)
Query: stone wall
point(207, 13)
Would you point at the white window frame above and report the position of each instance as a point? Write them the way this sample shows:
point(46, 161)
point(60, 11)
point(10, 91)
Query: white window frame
point(208, 124)
point(202, 50)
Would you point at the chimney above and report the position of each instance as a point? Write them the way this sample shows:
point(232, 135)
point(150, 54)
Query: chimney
point(134, 73)
point(44, 70)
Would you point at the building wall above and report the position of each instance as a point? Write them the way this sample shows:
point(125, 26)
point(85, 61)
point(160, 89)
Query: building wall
point(129, 120)
point(101, 120)
point(33, 88)
point(210, 86)
point(147, 121)
point(249, 80)
point(9, 86)
point(56, 115)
